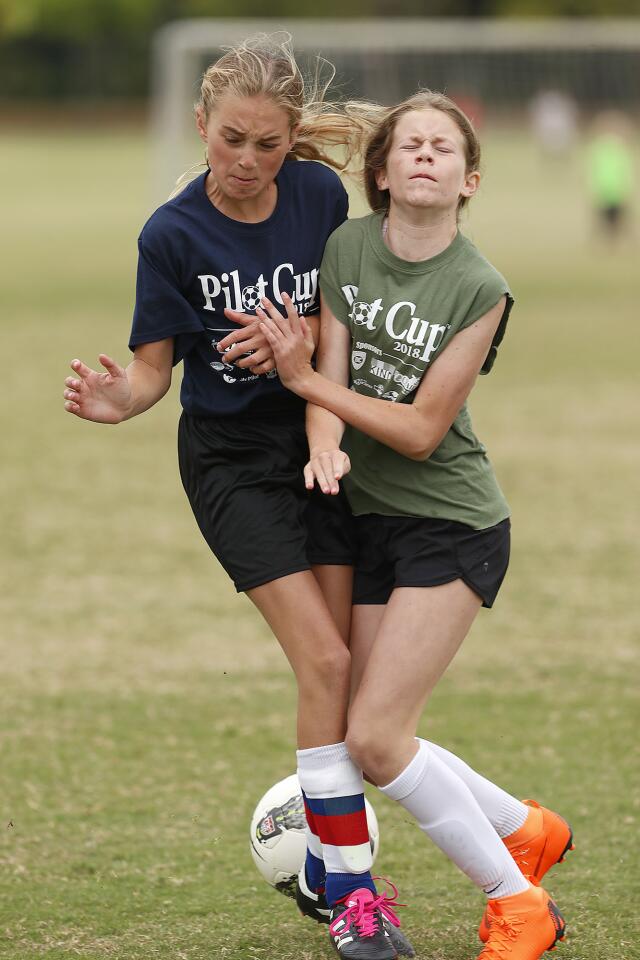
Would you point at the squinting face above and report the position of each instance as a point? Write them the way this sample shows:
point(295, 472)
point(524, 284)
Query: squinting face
point(426, 165)
point(247, 139)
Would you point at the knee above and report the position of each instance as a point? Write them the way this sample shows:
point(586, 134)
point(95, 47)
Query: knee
point(368, 749)
point(328, 666)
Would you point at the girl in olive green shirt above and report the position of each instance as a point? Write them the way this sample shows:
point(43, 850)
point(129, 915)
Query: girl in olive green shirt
point(411, 314)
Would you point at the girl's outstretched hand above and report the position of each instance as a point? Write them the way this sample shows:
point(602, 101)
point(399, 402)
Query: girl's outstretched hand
point(326, 468)
point(101, 397)
point(291, 341)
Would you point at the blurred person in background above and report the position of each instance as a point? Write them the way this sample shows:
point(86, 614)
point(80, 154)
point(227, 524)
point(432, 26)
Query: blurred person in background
point(610, 172)
point(256, 221)
point(411, 314)
point(554, 122)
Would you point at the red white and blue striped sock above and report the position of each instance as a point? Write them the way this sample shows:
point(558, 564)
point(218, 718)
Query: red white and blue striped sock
point(334, 800)
point(314, 864)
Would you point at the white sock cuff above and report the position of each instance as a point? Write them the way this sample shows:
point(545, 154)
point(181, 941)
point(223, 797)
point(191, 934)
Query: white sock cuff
point(314, 758)
point(512, 816)
point(412, 775)
point(329, 771)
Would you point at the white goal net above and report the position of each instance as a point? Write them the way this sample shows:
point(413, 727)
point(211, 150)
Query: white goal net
point(494, 67)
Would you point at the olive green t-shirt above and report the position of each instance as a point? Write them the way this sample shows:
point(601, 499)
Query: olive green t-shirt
point(401, 315)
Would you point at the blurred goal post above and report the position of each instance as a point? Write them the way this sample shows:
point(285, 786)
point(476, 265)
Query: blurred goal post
point(500, 62)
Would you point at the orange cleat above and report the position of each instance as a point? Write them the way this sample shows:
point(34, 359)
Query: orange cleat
point(523, 926)
point(540, 843)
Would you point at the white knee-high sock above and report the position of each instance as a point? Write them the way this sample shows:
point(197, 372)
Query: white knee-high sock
point(505, 813)
point(447, 812)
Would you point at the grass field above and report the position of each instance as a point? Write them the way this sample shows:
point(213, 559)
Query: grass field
point(145, 707)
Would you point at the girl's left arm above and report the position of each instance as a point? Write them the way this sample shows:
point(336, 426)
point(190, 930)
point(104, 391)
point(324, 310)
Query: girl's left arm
point(413, 429)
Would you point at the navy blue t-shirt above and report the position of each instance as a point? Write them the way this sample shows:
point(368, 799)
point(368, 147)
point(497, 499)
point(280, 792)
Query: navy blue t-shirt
point(194, 261)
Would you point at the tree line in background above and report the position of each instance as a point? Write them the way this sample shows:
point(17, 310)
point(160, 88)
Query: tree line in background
point(76, 49)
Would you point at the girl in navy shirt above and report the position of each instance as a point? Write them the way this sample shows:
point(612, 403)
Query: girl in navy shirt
point(252, 228)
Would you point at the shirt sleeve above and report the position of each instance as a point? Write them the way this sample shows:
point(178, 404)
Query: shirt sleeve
point(330, 282)
point(161, 310)
point(341, 211)
point(486, 295)
point(342, 208)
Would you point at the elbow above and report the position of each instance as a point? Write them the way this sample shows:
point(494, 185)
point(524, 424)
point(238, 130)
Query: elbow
point(416, 448)
point(421, 453)
point(420, 443)
point(418, 439)
point(425, 438)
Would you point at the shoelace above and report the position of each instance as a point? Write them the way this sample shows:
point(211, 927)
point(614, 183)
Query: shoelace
point(388, 902)
point(501, 939)
point(362, 914)
point(520, 853)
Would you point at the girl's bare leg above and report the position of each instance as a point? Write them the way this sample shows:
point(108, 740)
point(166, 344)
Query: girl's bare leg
point(298, 615)
point(365, 623)
point(504, 811)
point(336, 584)
point(419, 633)
point(300, 618)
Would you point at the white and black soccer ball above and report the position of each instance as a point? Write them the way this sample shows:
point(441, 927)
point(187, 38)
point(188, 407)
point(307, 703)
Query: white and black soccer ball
point(360, 312)
point(251, 298)
point(277, 834)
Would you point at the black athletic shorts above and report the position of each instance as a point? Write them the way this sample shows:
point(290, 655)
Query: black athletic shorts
point(421, 552)
point(243, 477)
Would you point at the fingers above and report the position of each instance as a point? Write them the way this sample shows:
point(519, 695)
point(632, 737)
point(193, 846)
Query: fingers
point(265, 367)
point(111, 366)
point(277, 342)
point(268, 311)
point(244, 319)
point(340, 464)
point(73, 388)
point(238, 336)
point(81, 369)
point(309, 476)
point(242, 349)
point(305, 330)
point(327, 469)
point(256, 358)
point(323, 470)
point(292, 313)
point(273, 333)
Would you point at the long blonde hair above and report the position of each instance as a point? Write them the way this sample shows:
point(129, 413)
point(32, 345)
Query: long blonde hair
point(265, 65)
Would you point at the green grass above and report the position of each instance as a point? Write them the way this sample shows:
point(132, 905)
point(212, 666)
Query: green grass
point(145, 707)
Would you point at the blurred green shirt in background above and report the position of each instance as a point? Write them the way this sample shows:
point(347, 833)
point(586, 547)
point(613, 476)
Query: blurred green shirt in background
point(610, 168)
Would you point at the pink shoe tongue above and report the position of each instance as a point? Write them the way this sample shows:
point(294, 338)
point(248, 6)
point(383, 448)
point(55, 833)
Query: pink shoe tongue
point(363, 894)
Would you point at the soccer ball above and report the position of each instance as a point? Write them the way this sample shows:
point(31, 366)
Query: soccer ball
point(360, 312)
point(277, 834)
point(250, 298)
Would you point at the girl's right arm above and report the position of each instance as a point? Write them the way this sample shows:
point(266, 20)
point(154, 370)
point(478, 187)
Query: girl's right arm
point(328, 463)
point(120, 393)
